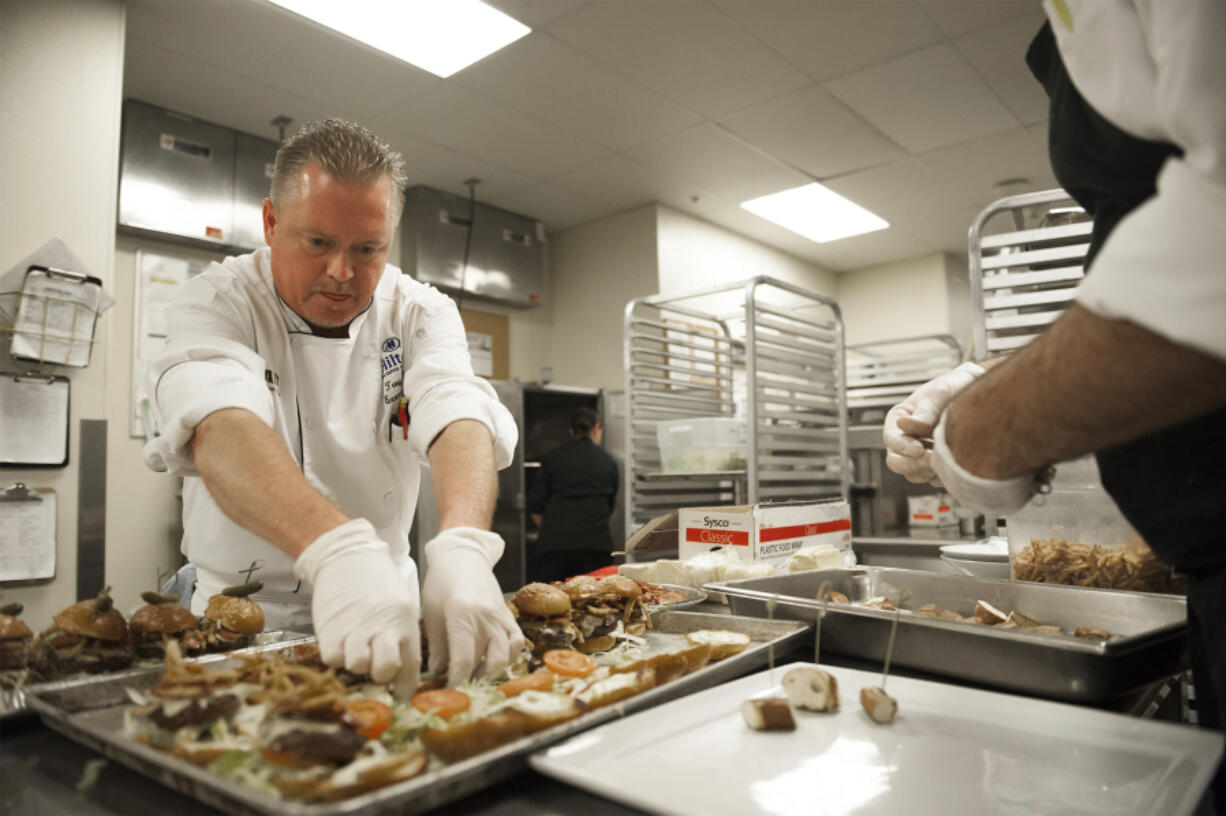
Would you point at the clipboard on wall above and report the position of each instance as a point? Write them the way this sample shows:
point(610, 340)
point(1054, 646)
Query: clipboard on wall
point(27, 535)
point(34, 429)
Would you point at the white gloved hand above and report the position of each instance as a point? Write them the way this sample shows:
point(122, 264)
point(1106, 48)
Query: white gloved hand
point(366, 616)
point(467, 620)
point(993, 497)
point(916, 417)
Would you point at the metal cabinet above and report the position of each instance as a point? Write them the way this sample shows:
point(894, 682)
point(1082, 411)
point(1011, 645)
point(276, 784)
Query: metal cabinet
point(176, 175)
point(253, 166)
point(506, 253)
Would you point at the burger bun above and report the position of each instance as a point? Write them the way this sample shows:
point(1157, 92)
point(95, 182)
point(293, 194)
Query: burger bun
point(83, 619)
point(542, 600)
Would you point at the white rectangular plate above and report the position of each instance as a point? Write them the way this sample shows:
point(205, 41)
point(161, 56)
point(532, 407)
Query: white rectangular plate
point(951, 750)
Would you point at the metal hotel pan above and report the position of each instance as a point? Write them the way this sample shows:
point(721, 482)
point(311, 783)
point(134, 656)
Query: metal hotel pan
point(90, 711)
point(1151, 628)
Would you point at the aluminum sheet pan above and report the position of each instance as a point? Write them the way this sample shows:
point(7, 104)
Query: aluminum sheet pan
point(1150, 646)
point(90, 711)
point(14, 689)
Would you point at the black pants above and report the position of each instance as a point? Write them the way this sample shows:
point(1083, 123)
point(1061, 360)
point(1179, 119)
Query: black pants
point(558, 565)
point(1207, 650)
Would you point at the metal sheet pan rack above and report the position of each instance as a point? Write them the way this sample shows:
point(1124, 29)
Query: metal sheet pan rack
point(883, 373)
point(772, 350)
point(1027, 257)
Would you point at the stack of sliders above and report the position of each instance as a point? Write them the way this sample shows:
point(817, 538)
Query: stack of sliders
point(583, 614)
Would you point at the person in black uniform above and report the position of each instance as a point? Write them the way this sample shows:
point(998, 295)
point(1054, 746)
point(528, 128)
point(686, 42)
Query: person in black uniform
point(1134, 372)
point(571, 500)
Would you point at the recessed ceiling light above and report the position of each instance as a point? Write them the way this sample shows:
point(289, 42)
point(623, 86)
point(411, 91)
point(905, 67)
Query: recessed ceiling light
point(816, 212)
point(439, 36)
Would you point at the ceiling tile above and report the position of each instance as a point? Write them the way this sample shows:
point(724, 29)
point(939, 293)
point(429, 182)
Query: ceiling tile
point(556, 207)
point(813, 131)
point(626, 183)
point(467, 122)
point(687, 51)
point(925, 100)
point(958, 17)
point(546, 78)
point(830, 38)
point(999, 55)
point(707, 157)
point(905, 193)
point(535, 13)
point(975, 168)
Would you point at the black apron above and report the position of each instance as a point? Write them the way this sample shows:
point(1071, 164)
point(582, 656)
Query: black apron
point(1170, 485)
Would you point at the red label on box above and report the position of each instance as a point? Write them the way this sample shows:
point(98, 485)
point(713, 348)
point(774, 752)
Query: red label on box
point(727, 538)
point(927, 516)
point(802, 530)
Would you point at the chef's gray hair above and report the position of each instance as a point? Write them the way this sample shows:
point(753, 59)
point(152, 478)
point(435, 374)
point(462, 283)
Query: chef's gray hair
point(345, 151)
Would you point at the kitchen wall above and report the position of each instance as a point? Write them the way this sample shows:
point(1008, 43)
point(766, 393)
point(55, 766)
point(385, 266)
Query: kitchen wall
point(923, 295)
point(62, 65)
point(597, 269)
point(695, 254)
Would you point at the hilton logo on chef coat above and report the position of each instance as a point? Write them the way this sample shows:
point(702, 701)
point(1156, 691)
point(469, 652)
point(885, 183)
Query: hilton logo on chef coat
point(392, 364)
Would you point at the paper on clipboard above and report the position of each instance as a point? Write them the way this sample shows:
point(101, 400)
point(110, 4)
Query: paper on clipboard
point(27, 536)
point(56, 317)
point(35, 427)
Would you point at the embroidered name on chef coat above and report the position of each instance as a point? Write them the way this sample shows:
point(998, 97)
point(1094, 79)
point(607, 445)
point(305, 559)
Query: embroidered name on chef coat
point(392, 363)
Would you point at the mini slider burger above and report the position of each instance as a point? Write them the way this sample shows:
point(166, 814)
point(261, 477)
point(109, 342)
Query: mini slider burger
point(232, 619)
point(599, 605)
point(14, 639)
point(163, 619)
point(90, 636)
point(544, 614)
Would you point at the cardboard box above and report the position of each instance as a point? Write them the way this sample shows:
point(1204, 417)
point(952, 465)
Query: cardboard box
point(930, 511)
point(763, 532)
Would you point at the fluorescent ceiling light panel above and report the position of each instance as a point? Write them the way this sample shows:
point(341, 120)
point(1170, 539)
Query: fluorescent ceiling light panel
point(439, 36)
point(816, 212)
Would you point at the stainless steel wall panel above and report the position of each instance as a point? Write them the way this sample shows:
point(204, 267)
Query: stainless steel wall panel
point(253, 166)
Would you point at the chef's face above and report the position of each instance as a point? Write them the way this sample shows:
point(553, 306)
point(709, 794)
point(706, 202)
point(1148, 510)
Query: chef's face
point(329, 243)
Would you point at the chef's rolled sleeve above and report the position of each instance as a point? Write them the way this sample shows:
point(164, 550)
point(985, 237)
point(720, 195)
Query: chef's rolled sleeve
point(442, 389)
point(205, 367)
point(1162, 266)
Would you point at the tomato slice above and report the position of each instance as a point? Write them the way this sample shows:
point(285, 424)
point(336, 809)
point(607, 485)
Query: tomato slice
point(444, 702)
point(537, 681)
point(370, 717)
point(285, 758)
point(569, 663)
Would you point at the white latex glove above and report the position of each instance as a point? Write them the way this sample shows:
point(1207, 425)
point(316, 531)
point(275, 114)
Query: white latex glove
point(467, 622)
point(993, 497)
point(916, 417)
point(366, 616)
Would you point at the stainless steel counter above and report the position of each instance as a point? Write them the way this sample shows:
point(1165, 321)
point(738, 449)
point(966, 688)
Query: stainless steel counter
point(909, 548)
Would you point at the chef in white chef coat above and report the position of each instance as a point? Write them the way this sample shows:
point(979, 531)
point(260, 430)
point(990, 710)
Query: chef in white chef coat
point(301, 389)
point(1135, 370)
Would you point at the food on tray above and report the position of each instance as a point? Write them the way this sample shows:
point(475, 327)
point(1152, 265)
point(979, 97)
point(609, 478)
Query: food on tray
point(811, 688)
point(231, 619)
point(986, 613)
point(543, 613)
point(162, 619)
point(655, 595)
point(15, 638)
point(880, 707)
point(294, 729)
point(1057, 561)
point(1091, 633)
point(834, 596)
point(90, 636)
point(768, 714)
point(880, 603)
point(722, 642)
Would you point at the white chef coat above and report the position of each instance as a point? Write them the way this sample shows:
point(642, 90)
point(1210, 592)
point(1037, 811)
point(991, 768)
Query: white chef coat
point(234, 343)
point(1156, 69)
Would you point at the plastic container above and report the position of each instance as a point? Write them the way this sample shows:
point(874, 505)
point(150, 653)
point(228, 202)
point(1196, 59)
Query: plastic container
point(702, 444)
point(1076, 535)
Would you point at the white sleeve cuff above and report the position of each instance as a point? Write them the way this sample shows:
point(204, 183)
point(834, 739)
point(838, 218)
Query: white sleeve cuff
point(462, 398)
point(186, 385)
point(1162, 266)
